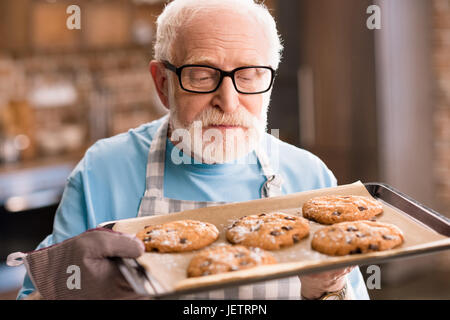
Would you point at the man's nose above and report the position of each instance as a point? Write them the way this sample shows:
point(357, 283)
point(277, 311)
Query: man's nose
point(226, 97)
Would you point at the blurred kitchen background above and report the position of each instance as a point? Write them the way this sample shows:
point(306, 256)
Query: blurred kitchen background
point(373, 104)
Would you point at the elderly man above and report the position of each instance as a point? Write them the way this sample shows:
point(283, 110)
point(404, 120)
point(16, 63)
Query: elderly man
point(214, 70)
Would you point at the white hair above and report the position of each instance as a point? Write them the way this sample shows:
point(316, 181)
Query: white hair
point(179, 12)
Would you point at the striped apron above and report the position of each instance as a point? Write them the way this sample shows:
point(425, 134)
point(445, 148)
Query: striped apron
point(154, 203)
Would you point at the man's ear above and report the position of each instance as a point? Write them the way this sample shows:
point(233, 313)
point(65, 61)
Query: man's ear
point(158, 72)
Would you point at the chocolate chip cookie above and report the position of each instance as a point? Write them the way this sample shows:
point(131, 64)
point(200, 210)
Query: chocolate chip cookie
point(227, 258)
point(268, 231)
point(178, 236)
point(356, 237)
point(335, 209)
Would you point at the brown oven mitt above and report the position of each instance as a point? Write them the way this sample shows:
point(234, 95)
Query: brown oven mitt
point(80, 267)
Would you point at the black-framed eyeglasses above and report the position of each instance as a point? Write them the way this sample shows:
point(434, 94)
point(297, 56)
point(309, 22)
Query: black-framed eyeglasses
point(206, 79)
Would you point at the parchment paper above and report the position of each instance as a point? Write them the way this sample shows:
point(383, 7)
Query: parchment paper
point(170, 268)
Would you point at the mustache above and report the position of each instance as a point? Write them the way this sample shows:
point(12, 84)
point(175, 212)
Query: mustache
point(214, 117)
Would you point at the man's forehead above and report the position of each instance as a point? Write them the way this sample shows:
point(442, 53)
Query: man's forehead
point(221, 38)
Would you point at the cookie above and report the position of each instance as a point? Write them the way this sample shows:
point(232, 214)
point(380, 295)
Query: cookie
point(227, 258)
point(268, 231)
point(356, 237)
point(335, 209)
point(178, 236)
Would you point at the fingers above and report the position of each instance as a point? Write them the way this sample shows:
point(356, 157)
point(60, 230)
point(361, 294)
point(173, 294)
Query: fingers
point(313, 286)
point(108, 243)
point(124, 246)
point(342, 272)
point(330, 275)
point(133, 237)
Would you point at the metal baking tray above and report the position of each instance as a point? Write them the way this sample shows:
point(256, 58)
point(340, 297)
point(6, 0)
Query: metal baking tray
point(143, 283)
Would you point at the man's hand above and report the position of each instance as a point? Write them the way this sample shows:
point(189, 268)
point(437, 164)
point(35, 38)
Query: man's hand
point(95, 276)
point(315, 285)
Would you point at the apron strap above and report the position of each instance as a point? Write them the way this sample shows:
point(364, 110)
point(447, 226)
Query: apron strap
point(272, 186)
point(156, 158)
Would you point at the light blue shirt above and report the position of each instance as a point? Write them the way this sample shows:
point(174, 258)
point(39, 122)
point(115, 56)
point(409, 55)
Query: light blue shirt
point(109, 182)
